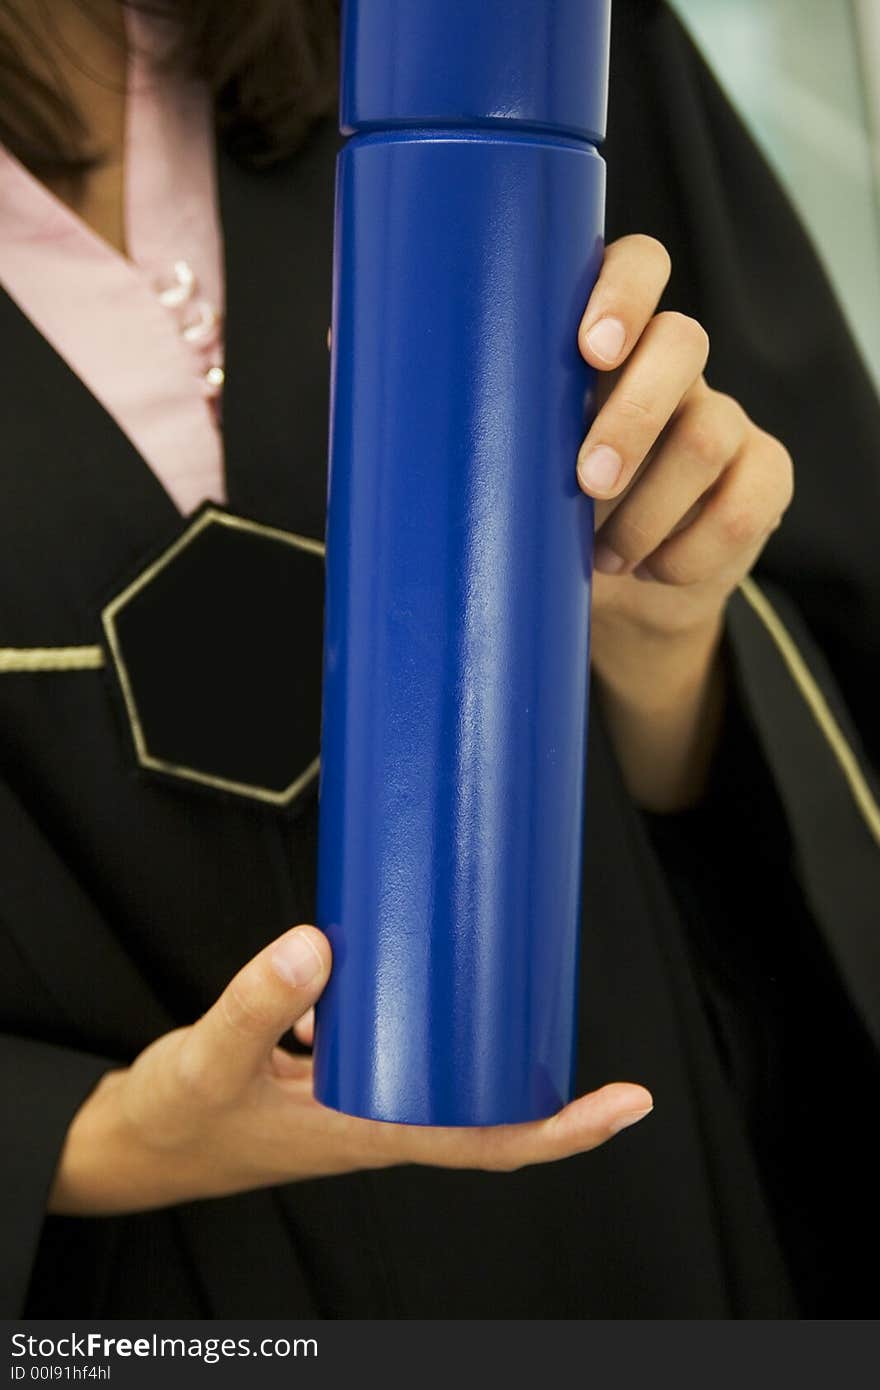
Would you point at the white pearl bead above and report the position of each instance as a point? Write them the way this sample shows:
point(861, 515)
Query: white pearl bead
point(184, 284)
point(197, 329)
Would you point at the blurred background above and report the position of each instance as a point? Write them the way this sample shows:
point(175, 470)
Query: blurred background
point(805, 77)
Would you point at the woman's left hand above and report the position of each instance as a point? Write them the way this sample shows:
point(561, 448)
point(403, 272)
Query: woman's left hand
point(688, 489)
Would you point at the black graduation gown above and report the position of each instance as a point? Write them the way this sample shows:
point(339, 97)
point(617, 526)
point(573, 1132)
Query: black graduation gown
point(128, 902)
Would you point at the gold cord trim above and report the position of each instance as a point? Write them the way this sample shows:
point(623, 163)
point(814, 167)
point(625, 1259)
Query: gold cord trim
point(22, 659)
point(227, 784)
point(50, 659)
point(817, 704)
point(210, 516)
point(37, 659)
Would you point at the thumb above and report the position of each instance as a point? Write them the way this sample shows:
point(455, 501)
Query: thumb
point(235, 1038)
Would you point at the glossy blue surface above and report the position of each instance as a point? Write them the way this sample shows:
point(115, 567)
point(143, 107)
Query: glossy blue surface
point(457, 615)
point(536, 63)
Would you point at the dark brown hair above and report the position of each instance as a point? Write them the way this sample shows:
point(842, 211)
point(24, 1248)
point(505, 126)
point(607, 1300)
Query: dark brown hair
point(272, 66)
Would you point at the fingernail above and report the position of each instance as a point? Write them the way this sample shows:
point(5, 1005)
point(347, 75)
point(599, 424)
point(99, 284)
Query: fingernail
point(642, 572)
point(631, 1117)
point(600, 469)
point(606, 339)
point(296, 960)
point(606, 560)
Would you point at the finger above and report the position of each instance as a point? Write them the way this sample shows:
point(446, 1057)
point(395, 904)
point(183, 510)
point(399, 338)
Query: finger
point(304, 1028)
point(702, 439)
point(634, 274)
point(739, 514)
point(670, 357)
point(584, 1124)
point(235, 1038)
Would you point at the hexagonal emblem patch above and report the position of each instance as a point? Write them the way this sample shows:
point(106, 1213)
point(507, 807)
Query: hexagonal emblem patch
point(217, 648)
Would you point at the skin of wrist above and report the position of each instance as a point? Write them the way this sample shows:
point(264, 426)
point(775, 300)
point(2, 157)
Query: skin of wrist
point(91, 1148)
point(107, 1165)
point(652, 668)
point(663, 702)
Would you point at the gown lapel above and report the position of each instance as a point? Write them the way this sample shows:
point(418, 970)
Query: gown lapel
point(98, 514)
point(95, 510)
point(278, 230)
point(80, 510)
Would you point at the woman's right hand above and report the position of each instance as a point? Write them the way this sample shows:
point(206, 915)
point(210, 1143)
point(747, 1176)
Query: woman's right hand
point(219, 1108)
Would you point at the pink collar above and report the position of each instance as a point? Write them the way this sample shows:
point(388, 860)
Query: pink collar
point(143, 332)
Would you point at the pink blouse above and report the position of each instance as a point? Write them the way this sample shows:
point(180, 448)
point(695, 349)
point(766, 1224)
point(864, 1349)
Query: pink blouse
point(143, 332)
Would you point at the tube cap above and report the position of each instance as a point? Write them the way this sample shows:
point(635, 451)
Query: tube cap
point(539, 64)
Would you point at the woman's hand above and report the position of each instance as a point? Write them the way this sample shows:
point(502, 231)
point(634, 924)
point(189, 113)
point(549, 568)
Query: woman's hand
point(219, 1108)
point(687, 489)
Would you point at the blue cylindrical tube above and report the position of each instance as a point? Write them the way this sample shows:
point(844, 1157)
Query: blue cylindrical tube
point(468, 235)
